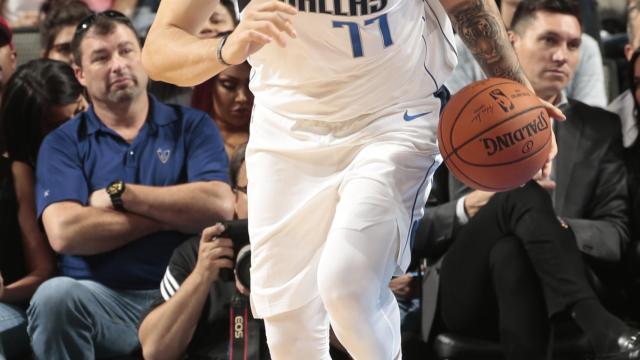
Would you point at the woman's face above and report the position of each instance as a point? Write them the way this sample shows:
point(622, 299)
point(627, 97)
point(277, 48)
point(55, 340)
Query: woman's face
point(60, 114)
point(232, 99)
point(220, 21)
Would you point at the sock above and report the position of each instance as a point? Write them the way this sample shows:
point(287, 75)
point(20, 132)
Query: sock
point(600, 326)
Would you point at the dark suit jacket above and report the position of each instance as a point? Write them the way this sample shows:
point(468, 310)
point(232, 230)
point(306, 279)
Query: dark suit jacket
point(591, 191)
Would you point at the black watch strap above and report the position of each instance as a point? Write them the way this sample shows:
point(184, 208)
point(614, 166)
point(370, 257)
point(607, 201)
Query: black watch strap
point(116, 201)
point(115, 190)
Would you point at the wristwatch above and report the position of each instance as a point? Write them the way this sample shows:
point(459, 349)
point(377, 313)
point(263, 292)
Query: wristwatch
point(115, 190)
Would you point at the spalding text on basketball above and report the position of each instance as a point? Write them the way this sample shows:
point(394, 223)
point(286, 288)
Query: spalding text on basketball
point(523, 134)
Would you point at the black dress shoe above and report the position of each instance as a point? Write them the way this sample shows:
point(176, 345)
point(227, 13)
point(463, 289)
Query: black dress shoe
point(629, 347)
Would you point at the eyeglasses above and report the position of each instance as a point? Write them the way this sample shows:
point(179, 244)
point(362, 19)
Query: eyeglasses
point(88, 21)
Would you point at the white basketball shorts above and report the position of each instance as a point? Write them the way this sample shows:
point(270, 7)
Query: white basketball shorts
point(296, 170)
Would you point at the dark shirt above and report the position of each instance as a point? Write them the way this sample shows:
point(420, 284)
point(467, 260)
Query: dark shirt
point(12, 264)
point(211, 338)
point(632, 158)
point(176, 145)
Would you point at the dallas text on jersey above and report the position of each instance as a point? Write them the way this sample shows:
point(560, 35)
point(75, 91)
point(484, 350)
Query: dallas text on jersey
point(339, 7)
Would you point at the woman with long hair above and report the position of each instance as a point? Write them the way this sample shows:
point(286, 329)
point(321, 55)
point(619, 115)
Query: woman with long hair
point(41, 95)
point(227, 98)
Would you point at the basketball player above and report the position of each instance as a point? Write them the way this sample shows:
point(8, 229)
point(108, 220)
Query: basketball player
point(342, 147)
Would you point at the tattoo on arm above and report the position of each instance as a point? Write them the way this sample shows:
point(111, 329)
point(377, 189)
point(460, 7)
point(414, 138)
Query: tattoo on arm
point(484, 33)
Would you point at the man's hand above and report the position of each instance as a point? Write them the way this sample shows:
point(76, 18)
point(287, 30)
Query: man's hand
point(100, 199)
point(403, 286)
point(214, 254)
point(475, 200)
point(262, 23)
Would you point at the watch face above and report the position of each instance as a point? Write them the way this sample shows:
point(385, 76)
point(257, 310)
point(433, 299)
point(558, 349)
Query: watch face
point(115, 187)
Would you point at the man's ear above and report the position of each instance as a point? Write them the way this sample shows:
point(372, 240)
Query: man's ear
point(77, 70)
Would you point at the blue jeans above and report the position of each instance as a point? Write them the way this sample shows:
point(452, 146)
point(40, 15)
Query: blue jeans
point(14, 340)
point(82, 319)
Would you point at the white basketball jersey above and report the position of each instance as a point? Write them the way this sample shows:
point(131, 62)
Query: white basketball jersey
point(355, 58)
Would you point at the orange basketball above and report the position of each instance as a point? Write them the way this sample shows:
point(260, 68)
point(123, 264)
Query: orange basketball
point(494, 134)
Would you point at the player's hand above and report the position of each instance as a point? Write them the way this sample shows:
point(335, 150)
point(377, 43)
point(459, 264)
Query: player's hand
point(214, 254)
point(475, 200)
point(100, 199)
point(261, 24)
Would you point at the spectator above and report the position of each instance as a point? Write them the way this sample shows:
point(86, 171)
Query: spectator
point(624, 105)
point(40, 96)
point(633, 20)
point(587, 84)
point(516, 253)
point(192, 316)
point(57, 28)
point(222, 20)
point(632, 153)
point(118, 188)
point(127, 7)
point(227, 98)
point(21, 13)
point(7, 53)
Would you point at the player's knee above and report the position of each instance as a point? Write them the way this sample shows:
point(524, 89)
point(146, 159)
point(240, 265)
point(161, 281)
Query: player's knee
point(340, 294)
point(288, 339)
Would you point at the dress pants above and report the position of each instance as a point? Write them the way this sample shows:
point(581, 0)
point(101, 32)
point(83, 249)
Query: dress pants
point(510, 269)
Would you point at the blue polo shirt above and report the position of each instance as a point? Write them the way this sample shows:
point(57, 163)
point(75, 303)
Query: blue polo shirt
point(176, 145)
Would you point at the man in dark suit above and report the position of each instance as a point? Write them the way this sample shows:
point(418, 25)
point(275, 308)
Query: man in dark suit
point(515, 260)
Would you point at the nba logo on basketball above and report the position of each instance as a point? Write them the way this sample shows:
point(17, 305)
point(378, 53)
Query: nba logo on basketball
point(502, 100)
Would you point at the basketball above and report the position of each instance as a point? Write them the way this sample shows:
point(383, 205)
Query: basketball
point(494, 135)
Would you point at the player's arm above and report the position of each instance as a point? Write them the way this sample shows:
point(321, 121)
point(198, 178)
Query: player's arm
point(174, 53)
point(74, 229)
point(480, 26)
point(188, 208)
point(168, 329)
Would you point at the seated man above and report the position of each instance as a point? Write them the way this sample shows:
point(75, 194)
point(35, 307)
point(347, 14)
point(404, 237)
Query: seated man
point(514, 263)
point(587, 84)
point(192, 316)
point(118, 188)
point(625, 105)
